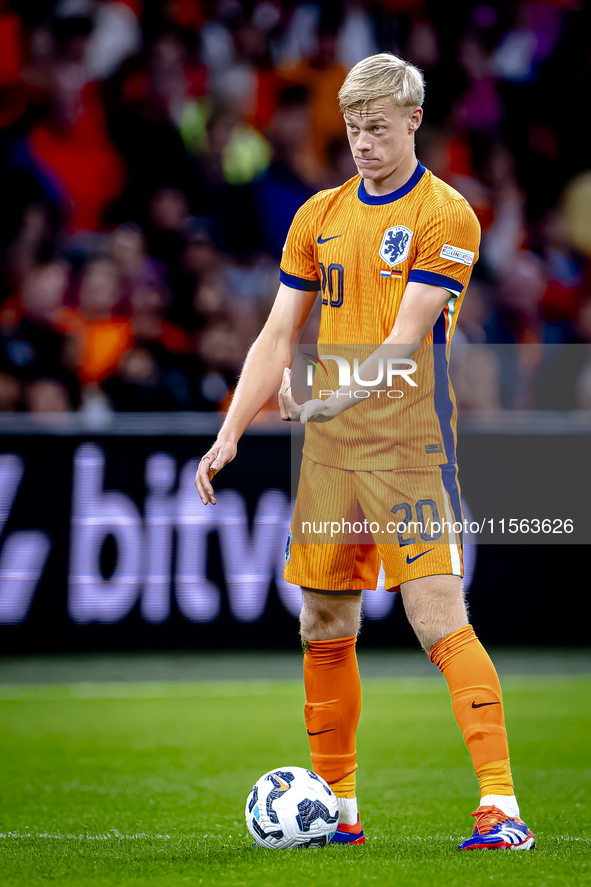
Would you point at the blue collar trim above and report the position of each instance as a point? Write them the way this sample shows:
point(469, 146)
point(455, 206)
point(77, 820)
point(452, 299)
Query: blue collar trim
point(394, 195)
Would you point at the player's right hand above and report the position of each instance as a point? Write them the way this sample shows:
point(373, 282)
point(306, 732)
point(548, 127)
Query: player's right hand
point(214, 460)
point(288, 408)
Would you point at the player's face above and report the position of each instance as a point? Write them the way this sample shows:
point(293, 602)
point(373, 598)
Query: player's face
point(381, 137)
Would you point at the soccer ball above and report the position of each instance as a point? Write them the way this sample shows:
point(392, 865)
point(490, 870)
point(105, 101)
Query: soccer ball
point(291, 807)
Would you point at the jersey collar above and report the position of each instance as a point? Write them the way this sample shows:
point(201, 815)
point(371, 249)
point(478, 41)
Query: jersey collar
point(394, 195)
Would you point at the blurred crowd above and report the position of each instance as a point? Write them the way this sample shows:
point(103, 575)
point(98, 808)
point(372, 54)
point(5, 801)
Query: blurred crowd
point(154, 152)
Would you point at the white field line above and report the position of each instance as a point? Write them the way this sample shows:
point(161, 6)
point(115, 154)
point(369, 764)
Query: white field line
point(228, 689)
point(138, 690)
point(113, 835)
point(142, 836)
point(70, 837)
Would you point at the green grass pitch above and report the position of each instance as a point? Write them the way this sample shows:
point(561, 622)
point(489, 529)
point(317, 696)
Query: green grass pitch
point(144, 782)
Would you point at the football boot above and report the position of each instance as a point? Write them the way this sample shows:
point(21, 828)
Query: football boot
point(494, 830)
point(349, 834)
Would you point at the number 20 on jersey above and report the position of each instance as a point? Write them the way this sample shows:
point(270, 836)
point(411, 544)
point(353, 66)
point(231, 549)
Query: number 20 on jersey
point(332, 284)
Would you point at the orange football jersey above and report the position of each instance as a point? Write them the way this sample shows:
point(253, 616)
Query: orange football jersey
point(361, 251)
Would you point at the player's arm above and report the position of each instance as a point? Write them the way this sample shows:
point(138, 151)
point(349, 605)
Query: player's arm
point(261, 374)
point(420, 307)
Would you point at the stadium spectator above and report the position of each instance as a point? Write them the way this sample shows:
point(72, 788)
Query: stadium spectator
point(135, 268)
point(322, 75)
point(10, 393)
point(103, 336)
point(32, 246)
point(32, 344)
point(73, 148)
point(47, 396)
point(293, 172)
point(161, 149)
point(138, 383)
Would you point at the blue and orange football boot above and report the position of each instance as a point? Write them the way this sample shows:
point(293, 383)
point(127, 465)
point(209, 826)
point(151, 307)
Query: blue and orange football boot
point(494, 830)
point(349, 834)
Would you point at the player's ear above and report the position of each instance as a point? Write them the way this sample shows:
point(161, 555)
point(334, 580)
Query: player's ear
point(415, 119)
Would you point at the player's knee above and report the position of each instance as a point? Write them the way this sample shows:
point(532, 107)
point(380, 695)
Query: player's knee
point(438, 624)
point(435, 608)
point(322, 619)
point(317, 623)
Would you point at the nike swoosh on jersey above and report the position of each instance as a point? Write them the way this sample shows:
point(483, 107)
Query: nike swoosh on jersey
point(322, 239)
point(320, 731)
point(409, 560)
point(480, 704)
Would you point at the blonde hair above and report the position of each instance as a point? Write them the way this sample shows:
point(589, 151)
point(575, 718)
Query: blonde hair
point(382, 74)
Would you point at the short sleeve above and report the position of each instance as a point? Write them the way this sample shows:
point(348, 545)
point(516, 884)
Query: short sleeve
point(298, 265)
point(448, 248)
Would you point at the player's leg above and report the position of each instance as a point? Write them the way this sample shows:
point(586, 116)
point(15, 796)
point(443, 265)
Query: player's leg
point(329, 625)
point(332, 567)
point(422, 554)
point(436, 610)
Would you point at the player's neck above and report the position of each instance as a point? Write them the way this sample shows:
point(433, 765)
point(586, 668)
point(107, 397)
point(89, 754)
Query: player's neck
point(394, 181)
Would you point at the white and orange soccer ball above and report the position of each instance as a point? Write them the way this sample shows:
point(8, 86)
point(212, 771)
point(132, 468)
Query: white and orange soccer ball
point(291, 807)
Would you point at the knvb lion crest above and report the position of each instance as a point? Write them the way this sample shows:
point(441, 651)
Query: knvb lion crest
point(395, 245)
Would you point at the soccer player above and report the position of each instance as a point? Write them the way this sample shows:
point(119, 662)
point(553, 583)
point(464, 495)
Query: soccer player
point(392, 251)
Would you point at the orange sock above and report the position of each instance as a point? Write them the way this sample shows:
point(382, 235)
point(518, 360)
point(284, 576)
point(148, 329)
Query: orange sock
point(477, 704)
point(332, 709)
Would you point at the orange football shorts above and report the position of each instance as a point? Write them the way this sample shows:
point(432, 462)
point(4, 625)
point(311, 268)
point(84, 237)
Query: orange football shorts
point(346, 523)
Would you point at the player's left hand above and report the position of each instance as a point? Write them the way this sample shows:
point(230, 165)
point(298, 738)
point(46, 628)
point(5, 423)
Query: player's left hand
point(315, 411)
